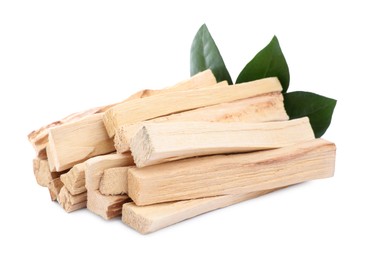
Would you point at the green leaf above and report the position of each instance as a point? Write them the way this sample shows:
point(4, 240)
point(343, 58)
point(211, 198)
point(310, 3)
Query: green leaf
point(269, 62)
point(205, 55)
point(319, 109)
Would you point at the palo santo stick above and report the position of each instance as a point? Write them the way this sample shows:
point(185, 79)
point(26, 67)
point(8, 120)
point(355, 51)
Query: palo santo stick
point(76, 142)
point(104, 206)
point(39, 138)
point(54, 188)
point(147, 219)
point(264, 108)
point(201, 80)
point(107, 207)
point(95, 167)
point(169, 103)
point(114, 181)
point(71, 202)
point(74, 179)
point(231, 174)
point(42, 172)
point(162, 142)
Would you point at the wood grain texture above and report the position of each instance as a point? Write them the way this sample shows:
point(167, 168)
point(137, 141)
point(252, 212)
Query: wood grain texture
point(105, 206)
point(114, 181)
point(39, 138)
point(42, 172)
point(74, 179)
point(54, 188)
point(263, 108)
point(71, 202)
point(157, 143)
point(76, 142)
point(95, 167)
point(169, 103)
point(147, 219)
point(231, 174)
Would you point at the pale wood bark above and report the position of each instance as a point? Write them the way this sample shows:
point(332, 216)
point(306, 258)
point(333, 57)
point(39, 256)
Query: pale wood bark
point(71, 202)
point(169, 103)
point(263, 108)
point(114, 181)
point(74, 179)
point(147, 219)
point(162, 142)
point(231, 174)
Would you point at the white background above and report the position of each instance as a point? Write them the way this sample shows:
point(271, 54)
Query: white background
point(59, 57)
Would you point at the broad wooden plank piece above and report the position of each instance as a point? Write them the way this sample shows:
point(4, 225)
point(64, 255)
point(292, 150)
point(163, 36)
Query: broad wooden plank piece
point(162, 142)
point(147, 219)
point(263, 108)
point(231, 174)
point(71, 202)
point(114, 181)
point(74, 179)
point(169, 103)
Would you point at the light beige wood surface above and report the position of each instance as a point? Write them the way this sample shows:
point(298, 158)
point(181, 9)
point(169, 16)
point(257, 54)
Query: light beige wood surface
point(107, 207)
point(76, 142)
point(71, 202)
point(74, 179)
point(54, 188)
point(102, 205)
point(169, 103)
point(114, 181)
point(39, 138)
point(42, 172)
point(147, 219)
point(95, 167)
point(231, 174)
point(157, 143)
point(263, 108)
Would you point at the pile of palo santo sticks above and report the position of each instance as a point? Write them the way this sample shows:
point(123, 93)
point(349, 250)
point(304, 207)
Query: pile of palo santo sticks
point(163, 156)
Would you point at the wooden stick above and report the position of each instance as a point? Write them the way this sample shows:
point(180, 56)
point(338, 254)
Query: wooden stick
point(71, 202)
point(54, 188)
point(147, 219)
point(39, 138)
point(201, 80)
point(42, 172)
point(264, 108)
point(169, 103)
point(74, 179)
point(105, 206)
point(162, 142)
point(95, 167)
point(76, 142)
point(114, 181)
point(231, 174)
